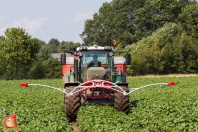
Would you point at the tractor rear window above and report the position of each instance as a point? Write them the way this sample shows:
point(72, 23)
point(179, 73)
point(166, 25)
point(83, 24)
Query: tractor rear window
point(88, 56)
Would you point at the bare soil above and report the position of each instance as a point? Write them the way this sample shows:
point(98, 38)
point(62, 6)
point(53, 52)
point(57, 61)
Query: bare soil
point(75, 127)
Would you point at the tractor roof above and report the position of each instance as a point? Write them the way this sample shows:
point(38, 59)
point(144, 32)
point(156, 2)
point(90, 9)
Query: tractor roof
point(95, 47)
point(117, 60)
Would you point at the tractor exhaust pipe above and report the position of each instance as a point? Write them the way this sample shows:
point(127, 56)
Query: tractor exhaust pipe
point(128, 59)
point(75, 68)
point(63, 59)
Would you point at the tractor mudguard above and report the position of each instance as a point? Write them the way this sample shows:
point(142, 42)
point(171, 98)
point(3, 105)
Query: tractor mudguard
point(120, 78)
point(71, 84)
point(124, 77)
point(122, 84)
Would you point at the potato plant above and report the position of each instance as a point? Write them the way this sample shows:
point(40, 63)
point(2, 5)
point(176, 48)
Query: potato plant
point(154, 109)
point(37, 108)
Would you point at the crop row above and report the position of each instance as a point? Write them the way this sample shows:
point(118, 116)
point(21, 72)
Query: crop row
point(37, 109)
point(155, 108)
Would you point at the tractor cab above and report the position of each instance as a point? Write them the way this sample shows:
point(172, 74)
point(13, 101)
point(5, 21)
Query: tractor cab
point(96, 64)
point(93, 62)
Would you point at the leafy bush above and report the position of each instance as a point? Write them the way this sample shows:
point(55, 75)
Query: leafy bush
point(161, 53)
point(37, 70)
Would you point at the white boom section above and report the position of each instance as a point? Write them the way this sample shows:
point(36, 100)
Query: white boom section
point(94, 84)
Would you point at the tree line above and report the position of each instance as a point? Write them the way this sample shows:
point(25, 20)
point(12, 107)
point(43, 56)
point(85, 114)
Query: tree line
point(161, 36)
point(24, 57)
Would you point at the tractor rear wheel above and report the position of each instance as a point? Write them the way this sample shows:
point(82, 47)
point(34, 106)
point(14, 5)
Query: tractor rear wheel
point(121, 102)
point(72, 103)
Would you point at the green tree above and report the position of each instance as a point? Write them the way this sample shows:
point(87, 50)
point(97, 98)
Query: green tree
point(104, 28)
point(67, 46)
point(18, 50)
point(53, 45)
point(2, 65)
point(161, 53)
point(44, 52)
point(189, 20)
point(37, 70)
point(53, 68)
point(128, 21)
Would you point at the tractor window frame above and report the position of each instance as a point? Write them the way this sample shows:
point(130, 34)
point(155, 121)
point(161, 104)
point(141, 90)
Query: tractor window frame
point(103, 56)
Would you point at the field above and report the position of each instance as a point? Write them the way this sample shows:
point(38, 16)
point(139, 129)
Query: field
point(156, 109)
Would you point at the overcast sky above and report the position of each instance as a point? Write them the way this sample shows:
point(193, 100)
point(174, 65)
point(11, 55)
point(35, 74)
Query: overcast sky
point(47, 19)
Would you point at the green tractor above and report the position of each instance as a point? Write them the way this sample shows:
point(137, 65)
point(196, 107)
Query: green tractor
point(91, 76)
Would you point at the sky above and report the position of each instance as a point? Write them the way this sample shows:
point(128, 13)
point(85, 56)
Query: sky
point(46, 19)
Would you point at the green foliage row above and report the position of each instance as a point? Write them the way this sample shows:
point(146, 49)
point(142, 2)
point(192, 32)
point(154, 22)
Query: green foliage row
point(37, 108)
point(152, 109)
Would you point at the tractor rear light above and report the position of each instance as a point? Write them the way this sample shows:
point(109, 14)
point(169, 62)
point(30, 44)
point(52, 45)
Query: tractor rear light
point(24, 84)
point(171, 83)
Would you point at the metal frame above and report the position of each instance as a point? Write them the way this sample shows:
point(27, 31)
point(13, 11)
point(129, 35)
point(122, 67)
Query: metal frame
point(97, 84)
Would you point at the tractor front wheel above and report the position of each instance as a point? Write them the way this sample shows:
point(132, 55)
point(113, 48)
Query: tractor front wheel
point(72, 103)
point(121, 102)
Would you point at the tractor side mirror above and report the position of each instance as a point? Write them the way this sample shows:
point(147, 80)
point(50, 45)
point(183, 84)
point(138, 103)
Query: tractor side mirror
point(63, 59)
point(128, 59)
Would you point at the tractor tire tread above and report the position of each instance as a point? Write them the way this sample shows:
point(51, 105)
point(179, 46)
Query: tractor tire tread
point(121, 102)
point(72, 104)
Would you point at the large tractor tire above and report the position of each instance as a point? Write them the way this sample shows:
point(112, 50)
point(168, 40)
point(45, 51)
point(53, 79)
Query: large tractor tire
point(72, 104)
point(121, 102)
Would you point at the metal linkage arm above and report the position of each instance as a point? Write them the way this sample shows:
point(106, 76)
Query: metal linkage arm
point(27, 85)
point(146, 86)
point(97, 84)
